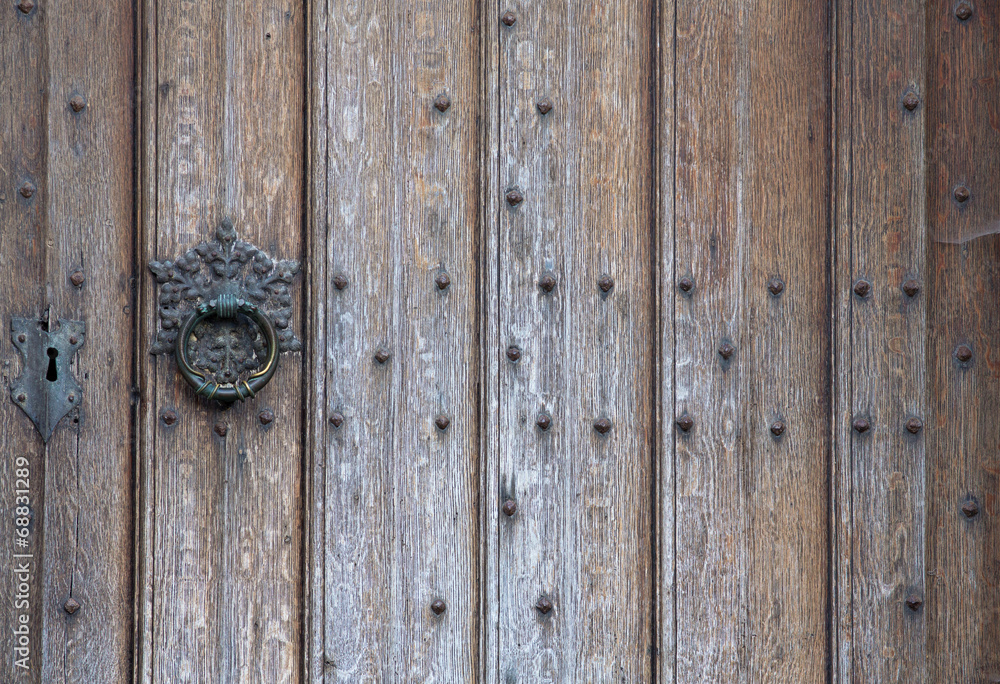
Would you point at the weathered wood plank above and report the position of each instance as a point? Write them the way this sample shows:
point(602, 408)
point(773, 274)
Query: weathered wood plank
point(222, 590)
point(395, 182)
point(752, 177)
point(580, 540)
point(963, 437)
point(881, 258)
point(66, 131)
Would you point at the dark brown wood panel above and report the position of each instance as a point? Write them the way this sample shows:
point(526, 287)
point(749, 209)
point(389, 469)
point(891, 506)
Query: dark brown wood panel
point(751, 344)
point(395, 163)
point(571, 200)
point(223, 87)
point(882, 329)
point(66, 251)
point(963, 348)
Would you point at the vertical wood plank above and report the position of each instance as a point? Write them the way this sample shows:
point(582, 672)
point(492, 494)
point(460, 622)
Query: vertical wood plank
point(221, 593)
point(396, 190)
point(881, 335)
point(574, 563)
point(963, 470)
point(751, 205)
point(67, 128)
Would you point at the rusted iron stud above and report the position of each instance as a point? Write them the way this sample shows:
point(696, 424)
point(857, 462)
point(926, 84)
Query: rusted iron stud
point(71, 605)
point(776, 286)
point(911, 287)
point(726, 350)
point(685, 284)
point(544, 106)
point(685, 423)
point(544, 606)
point(168, 416)
point(970, 508)
point(910, 100)
point(442, 280)
point(509, 508)
point(862, 288)
point(442, 422)
point(861, 425)
point(514, 353)
point(914, 601)
point(963, 11)
point(602, 426)
point(77, 103)
point(221, 429)
point(543, 421)
point(778, 428)
point(605, 282)
point(27, 189)
point(508, 19)
point(514, 197)
point(547, 282)
point(382, 355)
point(962, 194)
point(336, 419)
point(914, 425)
point(442, 102)
point(21, 337)
point(266, 417)
point(963, 353)
point(25, 6)
point(438, 607)
point(77, 277)
point(340, 281)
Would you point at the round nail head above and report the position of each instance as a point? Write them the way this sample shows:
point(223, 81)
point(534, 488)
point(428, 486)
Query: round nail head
point(685, 423)
point(382, 355)
point(442, 280)
point(970, 509)
point(514, 353)
point(514, 197)
point(340, 281)
point(266, 417)
point(685, 284)
point(25, 6)
point(438, 607)
point(602, 426)
point(913, 602)
point(726, 350)
point(543, 421)
point(77, 103)
point(77, 278)
point(776, 286)
point(27, 189)
point(862, 288)
point(910, 101)
point(71, 605)
point(914, 425)
point(221, 429)
point(544, 606)
point(508, 19)
point(509, 508)
point(963, 353)
point(544, 106)
point(861, 425)
point(547, 282)
point(442, 422)
point(169, 417)
point(777, 428)
point(911, 287)
point(963, 11)
point(336, 419)
point(962, 194)
point(441, 103)
point(605, 282)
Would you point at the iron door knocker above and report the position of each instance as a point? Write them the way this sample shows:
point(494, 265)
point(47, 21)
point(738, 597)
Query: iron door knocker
point(225, 313)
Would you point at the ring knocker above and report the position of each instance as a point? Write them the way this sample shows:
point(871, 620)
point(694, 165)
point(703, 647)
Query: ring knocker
point(227, 306)
point(227, 279)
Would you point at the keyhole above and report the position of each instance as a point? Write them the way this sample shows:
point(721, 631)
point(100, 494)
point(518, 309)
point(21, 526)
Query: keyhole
point(52, 375)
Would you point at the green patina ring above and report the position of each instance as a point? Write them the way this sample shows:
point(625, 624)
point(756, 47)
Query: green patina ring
point(227, 306)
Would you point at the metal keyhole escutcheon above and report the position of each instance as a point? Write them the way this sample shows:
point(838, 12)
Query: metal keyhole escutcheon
point(225, 312)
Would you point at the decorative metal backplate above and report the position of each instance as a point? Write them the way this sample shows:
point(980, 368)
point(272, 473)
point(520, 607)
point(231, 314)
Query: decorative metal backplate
point(226, 349)
point(46, 389)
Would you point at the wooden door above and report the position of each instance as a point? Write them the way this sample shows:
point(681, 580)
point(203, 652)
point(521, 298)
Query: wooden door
point(646, 341)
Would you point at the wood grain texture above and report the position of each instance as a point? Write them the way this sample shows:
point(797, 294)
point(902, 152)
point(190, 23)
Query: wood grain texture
point(752, 158)
point(581, 537)
point(963, 550)
point(78, 218)
point(395, 197)
point(221, 586)
point(882, 241)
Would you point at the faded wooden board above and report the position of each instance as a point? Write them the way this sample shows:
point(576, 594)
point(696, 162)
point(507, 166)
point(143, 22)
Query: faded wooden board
point(881, 331)
point(394, 200)
point(581, 536)
point(963, 471)
point(78, 218)
point(221, 540)
point(752, 158)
